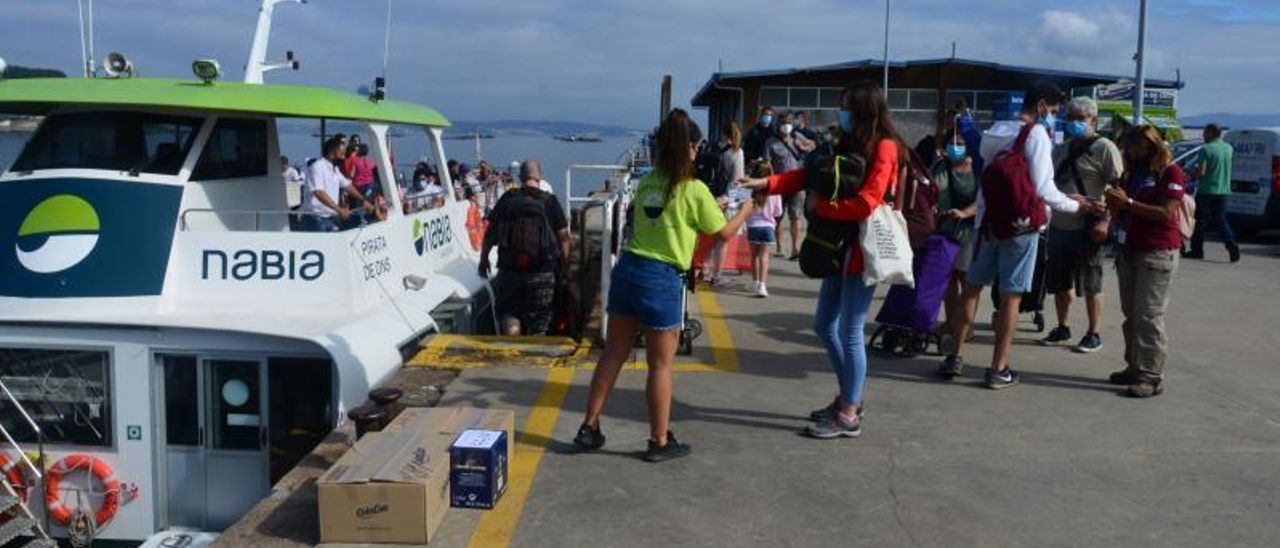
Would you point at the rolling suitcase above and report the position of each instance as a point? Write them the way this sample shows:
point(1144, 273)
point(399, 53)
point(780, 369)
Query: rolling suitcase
point(909, 317)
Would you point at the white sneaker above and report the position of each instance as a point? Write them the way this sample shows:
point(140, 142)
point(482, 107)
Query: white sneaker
point(754, 288)
point(762, 291)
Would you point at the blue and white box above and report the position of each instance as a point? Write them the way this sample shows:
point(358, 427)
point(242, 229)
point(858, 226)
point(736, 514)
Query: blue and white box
point(478, 469)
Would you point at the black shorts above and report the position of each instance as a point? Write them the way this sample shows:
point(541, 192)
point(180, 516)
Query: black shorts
point(1075, 262)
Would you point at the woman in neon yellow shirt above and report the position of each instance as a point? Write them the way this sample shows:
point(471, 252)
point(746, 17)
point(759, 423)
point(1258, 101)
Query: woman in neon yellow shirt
point(669, 210)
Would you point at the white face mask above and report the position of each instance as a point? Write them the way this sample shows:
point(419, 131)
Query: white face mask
point(786, 129)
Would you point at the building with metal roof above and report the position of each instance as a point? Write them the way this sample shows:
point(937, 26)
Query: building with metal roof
point(919, 91)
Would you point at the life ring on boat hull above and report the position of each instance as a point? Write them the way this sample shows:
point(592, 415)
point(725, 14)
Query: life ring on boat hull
point(100, 470)
point(12, 472)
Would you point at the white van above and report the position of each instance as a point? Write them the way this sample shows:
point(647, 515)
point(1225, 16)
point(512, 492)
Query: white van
point(1254, 205)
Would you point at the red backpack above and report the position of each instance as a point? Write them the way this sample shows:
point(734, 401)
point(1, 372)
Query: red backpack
point(1013, 205)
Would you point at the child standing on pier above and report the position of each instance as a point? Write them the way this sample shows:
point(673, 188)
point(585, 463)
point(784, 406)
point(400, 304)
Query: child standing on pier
point(761, 230)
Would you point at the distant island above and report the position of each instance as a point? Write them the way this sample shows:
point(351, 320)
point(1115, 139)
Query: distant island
point(536, 128)
point(15, 72)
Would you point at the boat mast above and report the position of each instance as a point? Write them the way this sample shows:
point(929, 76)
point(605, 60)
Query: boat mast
point(257, 64)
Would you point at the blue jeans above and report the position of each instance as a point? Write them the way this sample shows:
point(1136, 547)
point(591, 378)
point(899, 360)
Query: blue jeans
point(1211, 210)
point(316, 223)
point(839, 321)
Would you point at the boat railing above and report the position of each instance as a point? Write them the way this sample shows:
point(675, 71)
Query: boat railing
point(618, 173)
point(255, 220)
point(22, 411)
point(613, 204)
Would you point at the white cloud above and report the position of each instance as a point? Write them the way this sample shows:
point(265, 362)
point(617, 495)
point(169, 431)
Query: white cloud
point(1069, 27)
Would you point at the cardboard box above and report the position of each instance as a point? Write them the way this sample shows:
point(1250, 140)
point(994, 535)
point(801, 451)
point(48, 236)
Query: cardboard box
point(391, 487)
point(478, 469)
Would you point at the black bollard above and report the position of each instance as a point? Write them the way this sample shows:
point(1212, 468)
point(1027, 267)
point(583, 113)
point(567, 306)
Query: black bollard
point(369, 418)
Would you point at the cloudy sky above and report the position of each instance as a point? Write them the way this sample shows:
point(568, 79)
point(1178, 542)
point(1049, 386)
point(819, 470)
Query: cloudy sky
point(601, 60)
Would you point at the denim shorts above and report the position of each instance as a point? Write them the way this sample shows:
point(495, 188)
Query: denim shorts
point(650, 290)
point(1013, 261)
point(760, 234)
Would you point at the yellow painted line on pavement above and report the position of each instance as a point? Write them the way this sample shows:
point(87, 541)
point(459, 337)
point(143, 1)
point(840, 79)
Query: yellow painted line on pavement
point(716, 329)
point(497, 526)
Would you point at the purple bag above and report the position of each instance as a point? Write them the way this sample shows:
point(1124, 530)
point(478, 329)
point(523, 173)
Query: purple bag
point(917, 309)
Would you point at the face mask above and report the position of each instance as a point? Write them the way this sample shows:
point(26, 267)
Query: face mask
point(1077, 129)
point(955, 152)
point(786, 129)
point(846, 121)
point(1049, 121)
point(766, 119)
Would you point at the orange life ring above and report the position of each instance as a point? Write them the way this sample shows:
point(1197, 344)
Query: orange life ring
point(13, 472)
point(100, 470)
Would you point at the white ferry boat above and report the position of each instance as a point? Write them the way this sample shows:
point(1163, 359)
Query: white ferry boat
point(178, 344)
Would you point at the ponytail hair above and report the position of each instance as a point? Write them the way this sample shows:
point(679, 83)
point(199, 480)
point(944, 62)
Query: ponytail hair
point(674, 138)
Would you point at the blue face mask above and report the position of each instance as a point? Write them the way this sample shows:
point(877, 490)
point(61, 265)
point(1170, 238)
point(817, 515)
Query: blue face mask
point(1049, 121)
point(1077, 129)
point(846, 121)
point(766, 120)
point(955, 152)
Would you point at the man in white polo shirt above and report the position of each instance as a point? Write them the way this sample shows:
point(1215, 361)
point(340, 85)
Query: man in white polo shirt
point(322, 189)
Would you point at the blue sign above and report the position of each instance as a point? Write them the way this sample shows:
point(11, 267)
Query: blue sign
point(85, 237)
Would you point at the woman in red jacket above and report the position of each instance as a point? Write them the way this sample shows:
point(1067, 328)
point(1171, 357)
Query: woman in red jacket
point(867, 130)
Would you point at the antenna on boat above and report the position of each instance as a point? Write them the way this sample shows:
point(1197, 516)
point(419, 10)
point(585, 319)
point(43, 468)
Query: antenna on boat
point(257, 64)
point(86, 39)
point(386, 43)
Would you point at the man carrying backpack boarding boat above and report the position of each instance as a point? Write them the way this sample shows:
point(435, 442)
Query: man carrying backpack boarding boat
point(531, 232)
point(1016, 185)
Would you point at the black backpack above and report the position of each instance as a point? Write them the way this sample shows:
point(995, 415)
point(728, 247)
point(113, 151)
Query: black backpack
point(526, 242)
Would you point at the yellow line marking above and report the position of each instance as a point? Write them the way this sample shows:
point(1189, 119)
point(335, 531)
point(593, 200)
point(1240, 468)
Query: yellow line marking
point(497, 526)
point(717, 331)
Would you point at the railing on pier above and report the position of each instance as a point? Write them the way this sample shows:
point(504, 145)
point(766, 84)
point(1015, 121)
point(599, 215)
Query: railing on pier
point(613, 202)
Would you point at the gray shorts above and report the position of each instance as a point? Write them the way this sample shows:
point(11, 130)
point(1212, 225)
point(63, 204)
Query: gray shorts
point(1075, 262)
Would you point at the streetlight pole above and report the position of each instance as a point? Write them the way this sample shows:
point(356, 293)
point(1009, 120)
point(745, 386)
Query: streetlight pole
point(1141, 88)
point(886, 48)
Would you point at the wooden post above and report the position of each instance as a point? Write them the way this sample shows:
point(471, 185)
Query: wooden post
point(665, 107)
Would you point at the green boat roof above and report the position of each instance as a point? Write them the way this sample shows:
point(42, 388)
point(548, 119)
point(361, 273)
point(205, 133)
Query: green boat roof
point(40, 95)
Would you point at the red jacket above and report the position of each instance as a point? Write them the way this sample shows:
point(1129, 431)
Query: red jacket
point(883, 172)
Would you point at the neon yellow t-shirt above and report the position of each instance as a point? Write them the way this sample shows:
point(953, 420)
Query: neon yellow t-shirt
point(669, 232)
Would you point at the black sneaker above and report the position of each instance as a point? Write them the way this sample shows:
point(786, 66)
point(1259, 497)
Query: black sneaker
point(672, 450)
point(1092, 342)
point(1057, 336)
point(951, 367)
point(997, 380)
point(1234, 252)
point(1193, 255)
point(589, 438)
point(1123, 378)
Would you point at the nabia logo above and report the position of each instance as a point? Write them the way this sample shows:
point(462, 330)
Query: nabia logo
point(57, 234)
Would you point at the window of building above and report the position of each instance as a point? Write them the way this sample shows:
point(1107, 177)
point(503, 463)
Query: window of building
point(237, 148)
point(898, 99)
point(924, 99)
point(829, 98)
point(66, 392)
point(774, 97)
point(116, 141)
point(804, 98)
point(955, 96)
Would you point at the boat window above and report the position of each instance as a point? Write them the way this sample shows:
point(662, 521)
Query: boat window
point(117, 141)
point(66, 392)
point(237, 148)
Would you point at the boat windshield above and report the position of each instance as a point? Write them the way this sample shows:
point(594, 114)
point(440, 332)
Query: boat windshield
point(117, 141)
